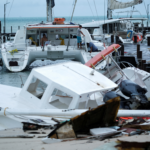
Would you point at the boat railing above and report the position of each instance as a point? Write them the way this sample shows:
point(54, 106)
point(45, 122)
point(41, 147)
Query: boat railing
point(125, 64)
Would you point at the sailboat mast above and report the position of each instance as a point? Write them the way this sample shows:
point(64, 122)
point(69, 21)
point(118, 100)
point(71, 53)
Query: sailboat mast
point(109, 11)
point(49, 10)
point(73, 10)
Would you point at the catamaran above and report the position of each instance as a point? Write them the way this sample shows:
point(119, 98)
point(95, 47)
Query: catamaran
point(61, 44)
point(126, 28)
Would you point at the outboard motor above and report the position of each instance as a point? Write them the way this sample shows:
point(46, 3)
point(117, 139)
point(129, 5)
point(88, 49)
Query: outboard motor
point(124, 104)
point(135, 93)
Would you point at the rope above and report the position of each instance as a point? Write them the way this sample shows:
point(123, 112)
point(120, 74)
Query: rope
point(90, 8)
point(145, 8)
point(10, 8)
point(95, 9)
point(5, 111)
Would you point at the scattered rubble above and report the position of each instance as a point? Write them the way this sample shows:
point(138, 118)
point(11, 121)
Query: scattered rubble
point(96, 124)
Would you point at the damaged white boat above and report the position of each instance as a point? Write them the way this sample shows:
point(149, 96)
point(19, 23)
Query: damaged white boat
point(52, 91)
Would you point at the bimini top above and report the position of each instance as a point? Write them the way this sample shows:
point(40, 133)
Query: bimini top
point(49, 25)
point(75, 77)
point(101, 22)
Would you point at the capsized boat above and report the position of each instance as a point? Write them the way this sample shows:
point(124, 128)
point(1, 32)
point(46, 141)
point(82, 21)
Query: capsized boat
point(133, 82)
point(63, 87)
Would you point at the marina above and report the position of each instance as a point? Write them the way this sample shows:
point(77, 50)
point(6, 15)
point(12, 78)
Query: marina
point(82, 82)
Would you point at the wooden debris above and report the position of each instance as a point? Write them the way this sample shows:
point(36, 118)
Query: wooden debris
point(102, 116)
point(17, 136)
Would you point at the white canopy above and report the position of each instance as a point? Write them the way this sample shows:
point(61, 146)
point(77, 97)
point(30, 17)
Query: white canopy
point(114, 4)
point(95, 24)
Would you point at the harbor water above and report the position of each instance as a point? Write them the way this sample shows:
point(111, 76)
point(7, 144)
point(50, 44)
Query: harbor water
point(18, 79)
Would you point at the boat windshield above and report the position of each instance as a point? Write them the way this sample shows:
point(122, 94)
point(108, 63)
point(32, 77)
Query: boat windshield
point(60, 99)
point(58, 36)
point(37, 87)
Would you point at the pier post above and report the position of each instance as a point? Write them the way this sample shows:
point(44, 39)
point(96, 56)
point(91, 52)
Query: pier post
point(112, 38)
point(11, 29)
point(18, 27)
point(135, 39)
point(144, 65)
point(144, 33)
point(148, 41)
point(4, 39)
point(121, 50)
point(117, 39)
point(139, 55)
point(138, 50)
point(0, 34)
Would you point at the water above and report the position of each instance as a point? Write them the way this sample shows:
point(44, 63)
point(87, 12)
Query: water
point(131, 49)
point(19, 21)
point(17, 79)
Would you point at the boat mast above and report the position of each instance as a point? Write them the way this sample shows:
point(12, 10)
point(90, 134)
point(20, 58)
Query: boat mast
point(50, 5)
point(73, 10)
point(109, 11)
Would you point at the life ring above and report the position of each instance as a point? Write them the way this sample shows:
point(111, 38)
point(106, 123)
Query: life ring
point(59, 20)
point(139, 38)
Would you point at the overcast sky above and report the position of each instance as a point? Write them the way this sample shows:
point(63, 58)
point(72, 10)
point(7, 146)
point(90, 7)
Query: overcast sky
point(37, 8)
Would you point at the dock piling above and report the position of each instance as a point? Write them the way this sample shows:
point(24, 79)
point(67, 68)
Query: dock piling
point(121, 50)
point(11, 29)
point(135, 39)
point(112, 38)
point(0, 34)
point(138, 50)
point(148, 41)
point(117, 39)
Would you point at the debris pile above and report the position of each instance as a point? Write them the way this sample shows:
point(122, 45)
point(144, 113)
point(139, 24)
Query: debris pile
point(100, 124)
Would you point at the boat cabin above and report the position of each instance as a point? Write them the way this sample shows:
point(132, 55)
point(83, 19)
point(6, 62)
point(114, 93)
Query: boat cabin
point(68, 85)
point(62, 34)
point(114, 26)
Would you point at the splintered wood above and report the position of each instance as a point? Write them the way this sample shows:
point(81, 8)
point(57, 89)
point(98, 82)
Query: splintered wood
point(102, 116)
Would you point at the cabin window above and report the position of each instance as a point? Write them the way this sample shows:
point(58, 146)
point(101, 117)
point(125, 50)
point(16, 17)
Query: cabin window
point(37, 88)
point(60, 99)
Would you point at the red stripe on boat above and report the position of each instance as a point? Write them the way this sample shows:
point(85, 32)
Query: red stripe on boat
point(100, 55)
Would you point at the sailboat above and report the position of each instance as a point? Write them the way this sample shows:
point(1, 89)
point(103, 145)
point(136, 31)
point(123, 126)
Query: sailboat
point(125, 28)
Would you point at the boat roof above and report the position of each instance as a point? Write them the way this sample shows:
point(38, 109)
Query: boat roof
point(50, 25)
point(75, 77)
point(101, 22)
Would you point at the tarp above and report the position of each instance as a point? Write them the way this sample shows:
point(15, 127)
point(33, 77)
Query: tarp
point(52, 2)
point(114, 4)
